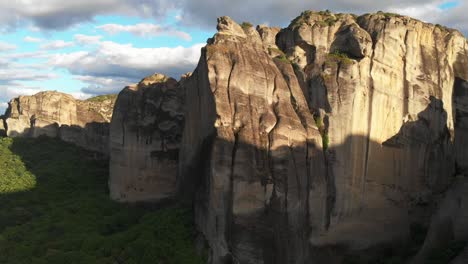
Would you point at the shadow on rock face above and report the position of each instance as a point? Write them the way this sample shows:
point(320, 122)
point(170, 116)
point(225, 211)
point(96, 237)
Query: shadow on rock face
point(277, 205)
point(460, 100)
point(428, 136)
point(93, 136)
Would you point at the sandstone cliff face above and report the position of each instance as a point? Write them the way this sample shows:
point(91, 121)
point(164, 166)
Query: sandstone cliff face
point(145, 133)
point(448, 224)
point(304, 144)
point(2, 126)
point(253, 143)
point(55, 114)
point(384, 84)
point(341, 128)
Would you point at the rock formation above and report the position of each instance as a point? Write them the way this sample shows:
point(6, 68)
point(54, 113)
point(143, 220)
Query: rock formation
point(307, 144)
point(145, 134)
point(54, 114)
point(449, 224)
point(2, 126)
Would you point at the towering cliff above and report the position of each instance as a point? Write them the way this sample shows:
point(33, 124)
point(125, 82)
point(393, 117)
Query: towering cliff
point(328, 138)
point(145, 133)
point(384, 85)
point(54, 114)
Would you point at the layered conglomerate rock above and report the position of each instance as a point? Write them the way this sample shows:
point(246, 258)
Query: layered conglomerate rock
point(145, 135)
point(54, 114)
point(323, 140)
point(251, 144)
point(383, 86)
point(328, 138)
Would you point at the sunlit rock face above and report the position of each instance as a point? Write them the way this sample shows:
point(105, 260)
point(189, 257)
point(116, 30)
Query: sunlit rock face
point(384, 86)
point(145, 134)
point(341, 128)
point(55, 114)
point(328, 138)
point(251, 153)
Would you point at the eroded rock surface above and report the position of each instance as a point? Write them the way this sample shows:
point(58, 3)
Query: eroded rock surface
point(54, 114)
point(307, 144)
point(145, 135)
point(341, 128)
point(449, 224)
point(384, 84)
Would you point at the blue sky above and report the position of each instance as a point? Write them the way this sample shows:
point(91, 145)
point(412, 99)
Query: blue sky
point(99, 46)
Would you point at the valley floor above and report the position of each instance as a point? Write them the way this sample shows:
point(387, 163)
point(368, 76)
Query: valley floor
point(54, 208)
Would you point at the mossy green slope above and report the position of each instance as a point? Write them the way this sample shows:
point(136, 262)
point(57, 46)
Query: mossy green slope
point(54, 208)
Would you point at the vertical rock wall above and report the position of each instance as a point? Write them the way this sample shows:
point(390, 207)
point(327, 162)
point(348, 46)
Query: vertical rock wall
point(145, 134)
point(54, 114)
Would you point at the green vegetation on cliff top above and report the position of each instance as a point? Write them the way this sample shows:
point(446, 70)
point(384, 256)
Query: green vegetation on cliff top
point(54, 208)
point(101, 98)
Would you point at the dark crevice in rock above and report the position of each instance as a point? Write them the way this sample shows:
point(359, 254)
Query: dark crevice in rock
point(460, 109)
point(405, 81)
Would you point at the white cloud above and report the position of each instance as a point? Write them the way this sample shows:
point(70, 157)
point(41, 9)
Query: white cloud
point(32, 39)
point(59, 14)
point(112, 60)
point(3, 106)
point(25, 55)
point(56, 44)
point(103, 85)
point(111, 66)
point(145, 30)
point(13, 72)
point(86, 39)
point(6, 46)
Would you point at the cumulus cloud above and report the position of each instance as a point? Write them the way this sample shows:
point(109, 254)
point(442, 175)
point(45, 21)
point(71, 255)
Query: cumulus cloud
point(12, 76)
point(56, 44)
point(145, 30)
point(3, 106)
point(59, 14)
point(6, 46)
point(32, 39)
point(112, 60)
point(86, 39)
point(13, 72)
point(103, 85)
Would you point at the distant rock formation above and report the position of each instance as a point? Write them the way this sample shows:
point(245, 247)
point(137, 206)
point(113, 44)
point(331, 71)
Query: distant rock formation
point(54, 114)
point(342, 127)
point(2, 126)
point(145, 135)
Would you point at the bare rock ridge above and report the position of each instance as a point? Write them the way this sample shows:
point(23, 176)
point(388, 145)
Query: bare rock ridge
point(145, 135)
point(328, 138)
point(84, 123)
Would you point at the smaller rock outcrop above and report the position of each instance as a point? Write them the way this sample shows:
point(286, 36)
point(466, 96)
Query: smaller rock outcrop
point(54, 114)
point(145, 133)
point(2, 126)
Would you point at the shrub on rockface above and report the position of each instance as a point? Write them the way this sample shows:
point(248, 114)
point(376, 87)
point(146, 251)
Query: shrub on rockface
point(246, 25)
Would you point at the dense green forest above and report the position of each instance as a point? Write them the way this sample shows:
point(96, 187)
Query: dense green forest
point(54, 208)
